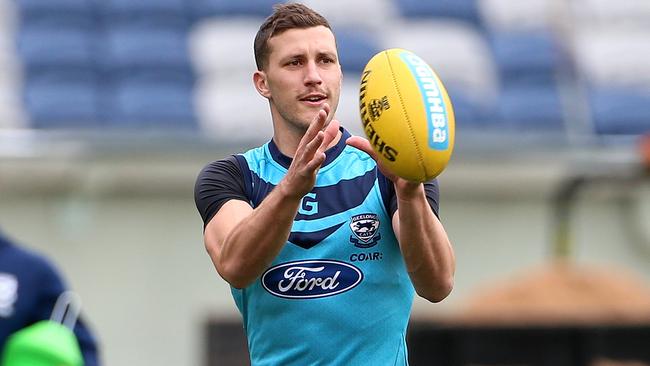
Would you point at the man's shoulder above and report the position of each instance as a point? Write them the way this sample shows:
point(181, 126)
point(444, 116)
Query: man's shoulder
point(248, 157)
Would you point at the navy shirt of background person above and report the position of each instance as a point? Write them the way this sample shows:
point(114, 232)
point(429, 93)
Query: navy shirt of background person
point(29, 288)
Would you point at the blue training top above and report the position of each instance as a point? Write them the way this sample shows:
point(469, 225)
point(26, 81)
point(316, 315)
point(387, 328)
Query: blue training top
point(338, 293)
point(29, 288)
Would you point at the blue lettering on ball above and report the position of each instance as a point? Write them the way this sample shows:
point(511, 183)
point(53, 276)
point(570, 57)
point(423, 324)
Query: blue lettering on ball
point(433, 101)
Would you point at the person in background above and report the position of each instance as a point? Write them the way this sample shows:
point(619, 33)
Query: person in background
point(29, 288)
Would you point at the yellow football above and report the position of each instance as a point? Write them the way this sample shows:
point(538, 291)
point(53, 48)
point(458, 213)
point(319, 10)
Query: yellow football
point(407, 115)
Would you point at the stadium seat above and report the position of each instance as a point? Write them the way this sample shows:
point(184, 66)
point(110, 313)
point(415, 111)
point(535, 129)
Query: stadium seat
point(150, 7)
point(210, 37)
point(611, 42)
point(169, 13)
point(136, 104)
point(130, 47)
point(614, 56)
point(367, 14)
point(618, 111)
point(228, 8)
point(355, 47)
point(458, 52)
point(526, 57)
point(471, 113)
point(232, 110)
point(466, 10)
point(55, 13)
point(58, 100)
point(611, 13)
point(513, 16)
point(531, 109)
point(42, 47)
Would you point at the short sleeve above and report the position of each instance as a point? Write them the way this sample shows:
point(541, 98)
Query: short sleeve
point(431, 191)
point(217, 183)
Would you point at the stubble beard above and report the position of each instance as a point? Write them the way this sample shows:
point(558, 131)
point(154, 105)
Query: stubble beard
point(293, 121)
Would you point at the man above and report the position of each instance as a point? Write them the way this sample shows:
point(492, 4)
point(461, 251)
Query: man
point(322, 249)
point(29, 288)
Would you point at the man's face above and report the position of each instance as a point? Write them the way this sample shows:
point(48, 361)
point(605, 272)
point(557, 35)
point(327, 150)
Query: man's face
point(303, 73)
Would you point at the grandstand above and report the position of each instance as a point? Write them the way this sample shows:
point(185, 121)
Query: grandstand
point(109, 108)
point(536, 67)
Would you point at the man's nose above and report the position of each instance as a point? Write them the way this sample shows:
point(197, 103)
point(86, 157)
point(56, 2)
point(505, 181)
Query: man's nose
point(312, 74)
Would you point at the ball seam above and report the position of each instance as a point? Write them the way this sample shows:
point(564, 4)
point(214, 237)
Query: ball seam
point(406, 116)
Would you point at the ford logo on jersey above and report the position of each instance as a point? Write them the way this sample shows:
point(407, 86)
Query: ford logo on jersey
point(311, 279)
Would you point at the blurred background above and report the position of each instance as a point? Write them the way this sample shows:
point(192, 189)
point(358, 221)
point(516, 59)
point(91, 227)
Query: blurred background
point(109, 109)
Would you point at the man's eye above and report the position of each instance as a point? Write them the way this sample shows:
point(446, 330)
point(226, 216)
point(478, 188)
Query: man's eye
point(294, 63)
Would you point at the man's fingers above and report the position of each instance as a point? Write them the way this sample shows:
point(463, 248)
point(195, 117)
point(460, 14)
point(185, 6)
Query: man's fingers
point(316, 161)
point(333, 128)
point(330, 134)
point(314, 144)
point(362, 144)
point(317, 123)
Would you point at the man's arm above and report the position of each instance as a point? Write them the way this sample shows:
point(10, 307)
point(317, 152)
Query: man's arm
point(243, 241)
point(424, 244)
point(426, 249)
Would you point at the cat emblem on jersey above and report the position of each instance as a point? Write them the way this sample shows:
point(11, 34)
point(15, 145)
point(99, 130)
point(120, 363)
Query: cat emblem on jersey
point(365, 228)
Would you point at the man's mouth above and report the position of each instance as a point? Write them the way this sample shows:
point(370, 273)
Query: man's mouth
point(313, 98)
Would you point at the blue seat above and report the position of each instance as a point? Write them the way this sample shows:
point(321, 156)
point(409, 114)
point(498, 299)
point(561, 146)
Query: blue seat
point(230, 8)
point(355, 48)
point(466, 10)
point(170, 13)
point(531, 108)
point(526, 58)
point(620, 111)
point(470, 113)
point(129, 47)
point(56, 13)
point(62, 100)
point(42, 47)
point(144, 6)
point(148, 105)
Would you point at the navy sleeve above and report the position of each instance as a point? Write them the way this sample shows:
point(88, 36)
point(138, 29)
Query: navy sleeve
point(52, 286)
point(387, 189)
point(217, 183)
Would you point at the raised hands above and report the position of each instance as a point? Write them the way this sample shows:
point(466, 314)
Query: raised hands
point(310, 154)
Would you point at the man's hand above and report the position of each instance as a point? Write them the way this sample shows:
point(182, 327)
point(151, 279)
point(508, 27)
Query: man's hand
point(403, 187)
point(424, 244)
point(310, 155)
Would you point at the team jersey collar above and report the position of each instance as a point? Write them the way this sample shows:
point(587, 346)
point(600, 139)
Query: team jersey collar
point(331, 153)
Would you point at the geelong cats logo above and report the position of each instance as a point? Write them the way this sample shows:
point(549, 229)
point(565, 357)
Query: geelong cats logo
point(365, 228)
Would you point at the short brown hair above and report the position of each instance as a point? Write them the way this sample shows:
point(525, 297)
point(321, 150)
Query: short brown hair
point(284, 17)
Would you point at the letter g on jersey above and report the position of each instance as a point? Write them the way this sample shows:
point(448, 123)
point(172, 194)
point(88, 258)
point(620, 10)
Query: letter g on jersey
point(308, 205)
point(311, 279)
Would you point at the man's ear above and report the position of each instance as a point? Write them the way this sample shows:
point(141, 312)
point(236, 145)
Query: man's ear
point(261, 84)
